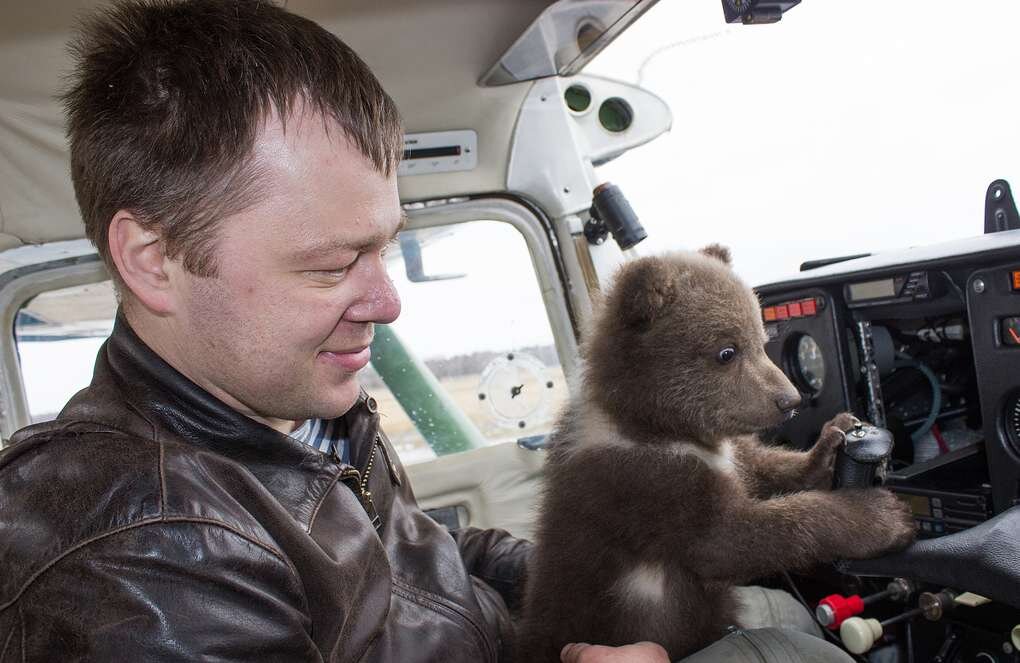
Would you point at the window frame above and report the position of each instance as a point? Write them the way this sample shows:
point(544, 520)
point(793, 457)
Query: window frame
point(21, 284)
point(544, 260)
point(17, 287)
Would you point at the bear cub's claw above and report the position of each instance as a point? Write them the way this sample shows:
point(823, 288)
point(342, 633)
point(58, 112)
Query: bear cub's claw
point(887, 524)
point(823, 455)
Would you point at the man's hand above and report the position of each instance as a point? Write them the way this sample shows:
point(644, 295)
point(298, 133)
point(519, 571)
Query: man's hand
point(642, 652)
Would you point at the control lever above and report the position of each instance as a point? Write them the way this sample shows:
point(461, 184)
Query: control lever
point(835, 609)
point(859, 635)
point(863, 458)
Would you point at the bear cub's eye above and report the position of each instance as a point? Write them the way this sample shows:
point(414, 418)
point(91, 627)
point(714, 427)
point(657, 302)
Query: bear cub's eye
point(727, 354)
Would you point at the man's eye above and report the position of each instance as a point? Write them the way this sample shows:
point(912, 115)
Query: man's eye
point(330, 274)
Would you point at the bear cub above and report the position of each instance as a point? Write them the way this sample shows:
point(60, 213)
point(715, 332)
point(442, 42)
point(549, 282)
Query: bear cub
point(659, 498)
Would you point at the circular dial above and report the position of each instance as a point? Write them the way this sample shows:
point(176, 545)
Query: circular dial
point(1012, 419)
point(515, 390)
point(809, 364)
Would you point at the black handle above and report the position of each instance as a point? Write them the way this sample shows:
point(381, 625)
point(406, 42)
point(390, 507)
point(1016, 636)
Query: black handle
point(862, 460)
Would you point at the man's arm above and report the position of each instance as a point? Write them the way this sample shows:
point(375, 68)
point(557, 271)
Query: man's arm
point(166, 591)
point(496, 557)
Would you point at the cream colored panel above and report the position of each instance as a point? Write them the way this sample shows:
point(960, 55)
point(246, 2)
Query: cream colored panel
point(35, 189)
point(8, 242)
point(434, 54)
point(497, 485)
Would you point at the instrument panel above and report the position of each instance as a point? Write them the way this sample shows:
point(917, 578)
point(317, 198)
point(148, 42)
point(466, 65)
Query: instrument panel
point(930, 351)
point(802, 328)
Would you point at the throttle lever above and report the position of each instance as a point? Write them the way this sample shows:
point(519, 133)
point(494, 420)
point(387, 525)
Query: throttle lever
point(862, 460)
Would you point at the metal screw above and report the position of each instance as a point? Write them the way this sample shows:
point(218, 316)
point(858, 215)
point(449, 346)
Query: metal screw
point(979, 286)
point(1007, 648)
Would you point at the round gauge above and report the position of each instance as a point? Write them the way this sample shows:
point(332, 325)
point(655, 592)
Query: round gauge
point(1011, 419)
point(808, 364)
point(515, 390)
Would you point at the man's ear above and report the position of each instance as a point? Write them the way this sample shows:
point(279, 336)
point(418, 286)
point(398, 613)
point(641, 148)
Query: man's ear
point(647, 288)
point(717, 251)
point(138, 254)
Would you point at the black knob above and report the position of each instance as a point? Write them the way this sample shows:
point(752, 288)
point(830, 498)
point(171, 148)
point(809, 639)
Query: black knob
point(862, 460)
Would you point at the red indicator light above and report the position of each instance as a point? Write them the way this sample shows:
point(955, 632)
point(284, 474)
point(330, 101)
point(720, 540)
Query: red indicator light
point(1011, 331)
point(782, 313)
point(769, 314)
point(809, 307)
point(794, 310)
point(1016, 280)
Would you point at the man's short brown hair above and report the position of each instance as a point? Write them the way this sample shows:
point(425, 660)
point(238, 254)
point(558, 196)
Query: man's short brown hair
point(167, 98)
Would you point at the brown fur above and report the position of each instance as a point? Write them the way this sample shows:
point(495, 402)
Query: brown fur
point(645, 525)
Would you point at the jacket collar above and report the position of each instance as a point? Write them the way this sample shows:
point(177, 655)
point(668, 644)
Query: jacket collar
point(160, 399)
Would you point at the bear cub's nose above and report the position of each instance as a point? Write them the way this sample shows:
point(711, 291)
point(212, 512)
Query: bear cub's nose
point(788, 402)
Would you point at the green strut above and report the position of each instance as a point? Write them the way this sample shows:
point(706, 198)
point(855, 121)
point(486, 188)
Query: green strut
point(443, 425)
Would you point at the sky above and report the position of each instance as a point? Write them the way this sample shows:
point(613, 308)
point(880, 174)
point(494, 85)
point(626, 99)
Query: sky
point(846, 128)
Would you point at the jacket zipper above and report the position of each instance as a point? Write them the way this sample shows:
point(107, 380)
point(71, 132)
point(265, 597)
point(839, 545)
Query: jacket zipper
point(360, 481)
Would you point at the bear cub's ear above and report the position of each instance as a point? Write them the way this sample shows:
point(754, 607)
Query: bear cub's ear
point(717, 251)
point(646, 289)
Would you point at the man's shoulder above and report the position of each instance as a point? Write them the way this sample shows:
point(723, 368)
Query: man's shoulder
point(70, 484)
point(60, 469)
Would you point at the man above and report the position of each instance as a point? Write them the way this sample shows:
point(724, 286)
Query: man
point(222, 490)
point(235, 167)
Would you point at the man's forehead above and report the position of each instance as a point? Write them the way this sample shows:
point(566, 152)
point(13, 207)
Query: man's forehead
point(304, 141)
point(322, 194)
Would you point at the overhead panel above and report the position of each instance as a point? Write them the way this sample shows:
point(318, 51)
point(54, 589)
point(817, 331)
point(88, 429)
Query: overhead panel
point(563, 39)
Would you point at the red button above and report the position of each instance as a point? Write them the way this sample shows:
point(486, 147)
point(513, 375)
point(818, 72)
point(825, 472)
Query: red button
point(782, 313)
point(769, 314)
point(1011, 331)
point(809, 307)
point(794, 309)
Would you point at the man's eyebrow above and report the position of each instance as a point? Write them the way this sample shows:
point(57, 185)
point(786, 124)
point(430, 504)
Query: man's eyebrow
point(330, 247)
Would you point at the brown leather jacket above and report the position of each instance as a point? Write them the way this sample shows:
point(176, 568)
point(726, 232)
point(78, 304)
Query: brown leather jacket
point(151, 522)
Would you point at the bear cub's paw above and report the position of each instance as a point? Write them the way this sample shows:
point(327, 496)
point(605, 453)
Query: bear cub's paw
point(822, 461)
point(883, 523)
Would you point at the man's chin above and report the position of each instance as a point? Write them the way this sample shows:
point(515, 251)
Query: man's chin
point(341, 399)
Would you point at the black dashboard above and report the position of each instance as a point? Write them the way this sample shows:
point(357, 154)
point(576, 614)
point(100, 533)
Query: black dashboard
point(926, 346)
point(924, 343)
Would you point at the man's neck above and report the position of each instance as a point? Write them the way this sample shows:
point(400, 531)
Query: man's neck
point(154, 332)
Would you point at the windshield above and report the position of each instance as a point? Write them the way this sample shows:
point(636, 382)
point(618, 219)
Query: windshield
point(843, 129)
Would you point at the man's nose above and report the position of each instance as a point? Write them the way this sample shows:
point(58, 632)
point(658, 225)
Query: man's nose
point(379, 301)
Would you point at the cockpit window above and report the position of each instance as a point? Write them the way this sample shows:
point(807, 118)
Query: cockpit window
point(58, 334)
point(471, 361)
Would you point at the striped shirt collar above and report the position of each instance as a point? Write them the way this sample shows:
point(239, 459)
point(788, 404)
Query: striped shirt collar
point(324, 435)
